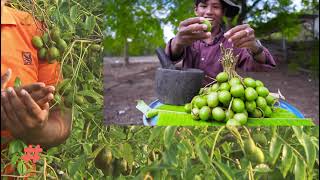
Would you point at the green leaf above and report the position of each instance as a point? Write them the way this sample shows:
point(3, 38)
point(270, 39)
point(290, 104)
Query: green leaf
point(227, 172)
point(76, 166)
point(16, 146)
point(14, 159)
point(298, 132)
point(286, 161)
point(53, 151)
point(155, 132)
point(217, 154)
point(69, 23)
point(315, 131)
point(87, 148)
point(96, 96)
point(188, 145)
point(170, 156)
point(226, 147)
point(244, 162)
point(315, 142)
point(89, 24)
point(128, 153)
point(176, 116)
point(182, 148)
point(203, 154)
point(21, 167)
point(275, 149)
point(169, 133)
point(299, 169)
point(74, 12)
point(310, 151)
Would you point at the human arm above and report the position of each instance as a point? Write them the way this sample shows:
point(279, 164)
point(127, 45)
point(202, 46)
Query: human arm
point(252, 55)
point(190, 30)
point(26, 120)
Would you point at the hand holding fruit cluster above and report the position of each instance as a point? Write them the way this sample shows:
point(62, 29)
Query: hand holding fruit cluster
point(231, 99)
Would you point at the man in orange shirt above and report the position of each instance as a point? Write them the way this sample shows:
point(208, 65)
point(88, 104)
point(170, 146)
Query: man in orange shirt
point(25, 111)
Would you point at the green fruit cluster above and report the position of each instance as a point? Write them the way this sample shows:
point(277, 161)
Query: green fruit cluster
point(231, 100)
point(96, 48)
point(111, 166)
point(50, 45)
point(65, 94)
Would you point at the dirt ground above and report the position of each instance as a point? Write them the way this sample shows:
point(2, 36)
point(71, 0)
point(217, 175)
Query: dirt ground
point(124, 85)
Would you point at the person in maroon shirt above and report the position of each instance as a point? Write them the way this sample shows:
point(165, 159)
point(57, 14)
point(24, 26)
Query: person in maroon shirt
point(200, 49)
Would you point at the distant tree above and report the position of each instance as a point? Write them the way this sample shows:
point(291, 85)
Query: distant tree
point(132, 28)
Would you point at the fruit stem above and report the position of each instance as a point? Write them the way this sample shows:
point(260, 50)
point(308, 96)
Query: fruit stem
point(210, 77)
point(230, 104)
point(215, 141)
point(251, 176)
point(210, 83)
point(229, 62)
point(248, 132)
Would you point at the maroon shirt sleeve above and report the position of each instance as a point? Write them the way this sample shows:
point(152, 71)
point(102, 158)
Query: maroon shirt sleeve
point(188, 56)
point(247, 62)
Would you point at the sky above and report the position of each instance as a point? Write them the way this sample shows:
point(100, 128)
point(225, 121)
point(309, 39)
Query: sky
point(168, 28)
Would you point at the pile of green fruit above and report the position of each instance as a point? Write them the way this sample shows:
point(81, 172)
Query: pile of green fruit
point(231, 98)
point(50, 45)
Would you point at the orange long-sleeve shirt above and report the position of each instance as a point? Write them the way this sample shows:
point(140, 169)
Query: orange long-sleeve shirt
point(18, 53)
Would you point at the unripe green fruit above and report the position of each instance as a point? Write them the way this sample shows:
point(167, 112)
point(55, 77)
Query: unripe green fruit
point(62, 45)
point(37, 42)
point(187, 108)
point(222, 77)
point(53, 53)
point(206, 22)
point(42, 53)
point(55, 34)
point(249, 146)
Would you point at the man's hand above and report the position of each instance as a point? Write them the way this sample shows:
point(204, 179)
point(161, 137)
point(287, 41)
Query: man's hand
point(31, 123)
point(40, 93)
point(24, 116)
point(242, 36)
point(191, 30)
point(5, 79)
